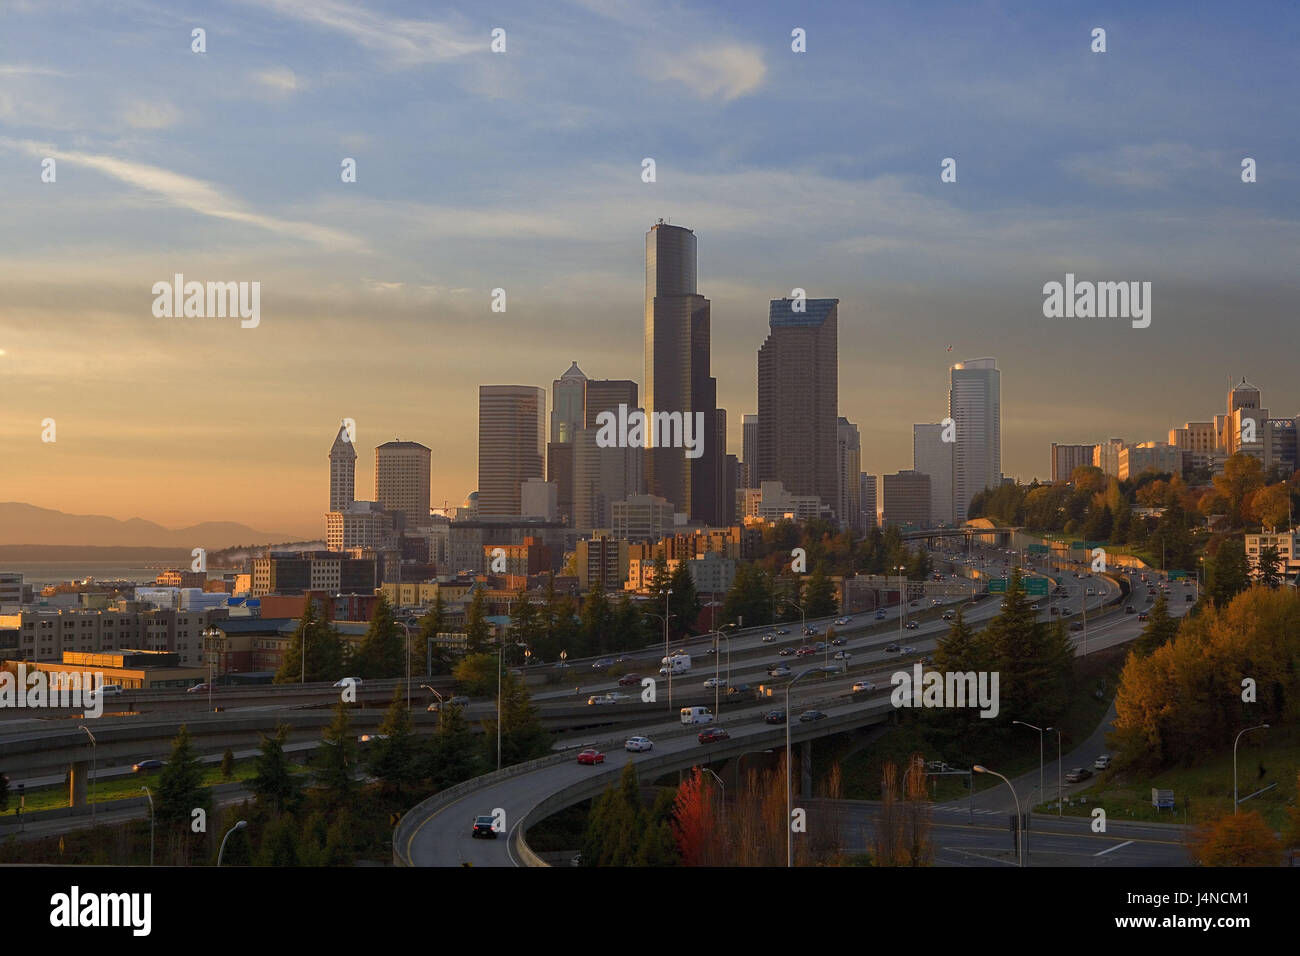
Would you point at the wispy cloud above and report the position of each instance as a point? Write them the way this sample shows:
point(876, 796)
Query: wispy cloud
point(280, 80)
point(401, 41)
point(150, 114)
point(725, 72)
point(1150, 166)
point(18, 69)
point(188, 193)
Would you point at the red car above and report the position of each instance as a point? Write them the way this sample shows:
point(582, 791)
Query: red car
point(805, 651)
point(591, 756)
point(712, 734)
point(627, 680)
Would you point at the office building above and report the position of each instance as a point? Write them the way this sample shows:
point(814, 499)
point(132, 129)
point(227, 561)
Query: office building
point(641, 518)
point(749, 449)
point(907, 499)
point(933, 456)
point(870, 506)
point(975, 406)
point(848, 506)
point(511, 446)
point(1066, 458)
point(343, 464)
point(798, 398)
point(402, 481)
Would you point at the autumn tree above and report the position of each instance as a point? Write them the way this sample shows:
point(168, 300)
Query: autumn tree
point(1236, 839)
point(695, 821)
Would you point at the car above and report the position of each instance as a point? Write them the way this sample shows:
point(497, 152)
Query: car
point(863, 685)
point(843, 655)
point(343, 682)
point(848, 620)
point(712, 734)
point(433, 708)
point(909, 650)
point(1077, 775)
point(638, 744)
point(911, 625)
point(460, 700)
point(839, 641)
point(739, 690)
point(892, 648)
point(935, 602)
point(196, 689)
point(768, 638)
point(713, 682)
point(1033, 607)
point(603, 663)
point(782, 631)
point(805, 651)
point(819, 646)
point(915, 604)
point(367, 738)
point(1003, 605)
point(1102, 762)
point(786, 651)
point(1143, 616)
point(591, 757)
point(880, 614)
point(1092, 592)
point(1076, 625)
point(484, 826)
point(806, 630)
point(1130, 609)
point(601, 699)
point(840, 621)
point(774, 717)
point(781, 670)
point(927, 660)
point(628, 680)
point(711, 650)
point(949, 615)
point(1187, 598)
point(144, 765)
point(810, 715)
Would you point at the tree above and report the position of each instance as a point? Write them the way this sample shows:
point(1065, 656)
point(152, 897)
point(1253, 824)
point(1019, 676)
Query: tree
point(525, 619)
point(597, 619)
point(382, 653)
point(274, 785)
point(658, 845)
point(695, 823)
point(476, 624)
point(392, 757)
point(180, 785)
point(239, 847)
point(1228, 571)
point(325, 653)
point(4, 793)
point(628, 627)
point(337, 760)
point(227, 764)
point(522, 735)
point(452, 753)
point(1242, 476)
point(433, 623)
point(1240, 839)
point(684, 602)
point(476, 674)
point(1160, 629)
point(1269, 569)
point(1034, 660)
point(819, 598)
point(279, 843)
point(750, 596)
point(1270, 507)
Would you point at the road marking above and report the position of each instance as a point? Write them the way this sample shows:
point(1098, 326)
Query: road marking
point(1117, 847)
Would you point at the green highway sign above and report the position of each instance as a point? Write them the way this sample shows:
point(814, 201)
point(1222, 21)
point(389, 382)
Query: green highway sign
point(997, 585)
point(1076, 545)
point(1177, 575)
point(1036, 587)
point(1039, 549)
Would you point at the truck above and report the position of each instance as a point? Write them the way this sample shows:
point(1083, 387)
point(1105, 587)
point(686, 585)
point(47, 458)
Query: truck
point(675, 664)
point(697, 715)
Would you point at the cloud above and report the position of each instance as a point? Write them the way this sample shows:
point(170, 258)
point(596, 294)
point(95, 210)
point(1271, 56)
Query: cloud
point(188, 193)
point(280, 80)
point(404, 42)
point(16, 69)
point(1152, 166)
point(728, 71)
point(150, 114)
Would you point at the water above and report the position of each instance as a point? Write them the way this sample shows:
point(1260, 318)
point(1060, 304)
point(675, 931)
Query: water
point(42, 573)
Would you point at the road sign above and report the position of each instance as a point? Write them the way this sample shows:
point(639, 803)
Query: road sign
point(1162, 799)
point(1039, 549)
point(1177, 575)
point(997, 585)
point(1077, 545)
point(1036, 587)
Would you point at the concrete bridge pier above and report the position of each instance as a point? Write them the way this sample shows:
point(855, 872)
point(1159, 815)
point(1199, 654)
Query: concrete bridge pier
point(78, 774)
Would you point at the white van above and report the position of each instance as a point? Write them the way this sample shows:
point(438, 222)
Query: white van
point(676, 664)
point(110, 690)
point(697, 715)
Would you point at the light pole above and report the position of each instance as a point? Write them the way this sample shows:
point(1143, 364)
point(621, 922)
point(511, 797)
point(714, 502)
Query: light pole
point(151, 821)
point(407, 629)
point(501, 650)
point(1059, 799)
point(902, 601)
point(1234, 762)
point(238, 826)
point(435, 694)
point(717, 664)
point(789, 797)
point(212, 636)
point(94, 746)
point(1020, 839)
point(724, 794)
point(1040, 749)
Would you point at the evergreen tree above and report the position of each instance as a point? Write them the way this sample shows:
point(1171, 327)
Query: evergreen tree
point(433, 623)
point(476, 623)
point(522, 735)
point(314, 840)
point(683, 602)
point(1034, 661)
point(274, 786)
point(658, 843)
point(628, 625)
point(452, 752)
point(4, 793)
point(750, 597)
point(228, 764)
point(180, 785)
point(597, 620)
point(525, 619)
point(239, 847)
point(279, 843)
point(1269, 570)
point(382, 653)
point(1228, 572)
point(325, 651)
point(392, 758)
point(819, 597)
point(1160, 628)
point(337, 760)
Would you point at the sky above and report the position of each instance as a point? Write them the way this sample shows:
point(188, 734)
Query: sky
point(522, 170)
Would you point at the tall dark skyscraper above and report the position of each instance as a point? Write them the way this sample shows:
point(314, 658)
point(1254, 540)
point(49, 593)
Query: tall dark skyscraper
point(798, 399)
point(677, 378)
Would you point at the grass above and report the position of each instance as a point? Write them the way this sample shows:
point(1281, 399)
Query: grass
point(1206, 785)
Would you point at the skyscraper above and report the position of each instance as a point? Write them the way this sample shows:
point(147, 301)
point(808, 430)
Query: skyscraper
point(511, 445)
point(798, 399)
point(343, 465)
point(975, 405)
point(849, 447)
point(869, 507)
point(677, 379)
point(568, 399)
point(602, 476)
point(933, 456)
point(402, 480)
point(749, 448)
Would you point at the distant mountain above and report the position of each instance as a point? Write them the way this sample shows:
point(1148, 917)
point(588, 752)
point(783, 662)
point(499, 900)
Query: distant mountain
point(26, 524)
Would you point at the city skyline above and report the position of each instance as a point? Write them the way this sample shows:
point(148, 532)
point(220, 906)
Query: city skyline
point(376, 295)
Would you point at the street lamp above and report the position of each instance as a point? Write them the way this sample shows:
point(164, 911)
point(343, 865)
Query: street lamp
point(1040, 748)
point(902, 599)
point(213, 639)
point(435, 694)
point(724, 794)
point(407, 629)
point(1234, 762)
point(717, 663)
point(501, 650)
point(151, 822)
point(789, 798)
point(238, 826)
point(1059, 799)
point(94, 747)
point(1020, 839)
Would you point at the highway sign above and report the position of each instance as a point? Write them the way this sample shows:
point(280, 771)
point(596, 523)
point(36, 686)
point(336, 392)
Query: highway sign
point(1036, 587)
point(1039, 549)
point(1077, 545)
point(997, 585)
point(1177, 575)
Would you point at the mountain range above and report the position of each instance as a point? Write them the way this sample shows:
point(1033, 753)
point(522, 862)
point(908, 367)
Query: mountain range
point(24, 524)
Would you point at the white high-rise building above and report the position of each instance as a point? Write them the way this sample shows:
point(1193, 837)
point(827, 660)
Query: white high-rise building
point(343, 471)
point(933, 456)
point(975, 405)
